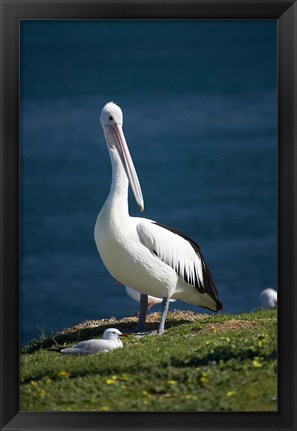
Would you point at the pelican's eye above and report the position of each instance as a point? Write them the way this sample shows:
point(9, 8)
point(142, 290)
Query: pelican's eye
point(110, 118)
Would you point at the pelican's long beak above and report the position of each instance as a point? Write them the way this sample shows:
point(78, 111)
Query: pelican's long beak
point(116, 138)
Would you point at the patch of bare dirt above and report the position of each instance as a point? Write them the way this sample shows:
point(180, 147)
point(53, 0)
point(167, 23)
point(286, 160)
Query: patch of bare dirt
point(153, 319)
point(229, 325)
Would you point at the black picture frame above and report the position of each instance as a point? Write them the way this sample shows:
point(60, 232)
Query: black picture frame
point(285, 12)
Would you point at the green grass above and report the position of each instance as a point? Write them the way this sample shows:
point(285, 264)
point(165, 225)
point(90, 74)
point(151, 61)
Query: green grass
point(208, 363)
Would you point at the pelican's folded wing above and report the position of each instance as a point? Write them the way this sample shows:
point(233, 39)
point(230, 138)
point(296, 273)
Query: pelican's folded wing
point(180, 252)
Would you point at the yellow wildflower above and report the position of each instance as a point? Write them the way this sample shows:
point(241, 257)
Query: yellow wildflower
point(63, 374)
point(104, 409)
point(225, 339)
point(171, 382)
point(41, 393)
point(191, 397)
point(204, 378)
point(257, 363)
point(231, 393)
point(110, 381)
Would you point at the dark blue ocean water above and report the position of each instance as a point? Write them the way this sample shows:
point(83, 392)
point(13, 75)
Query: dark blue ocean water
point(199, 102)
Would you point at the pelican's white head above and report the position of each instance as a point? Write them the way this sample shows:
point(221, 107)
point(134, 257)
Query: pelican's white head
point(111, 114)
point(112, 334)
point(111, 120)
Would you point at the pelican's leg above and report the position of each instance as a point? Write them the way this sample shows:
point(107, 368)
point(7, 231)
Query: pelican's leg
point(165, 305)
point(142, 312)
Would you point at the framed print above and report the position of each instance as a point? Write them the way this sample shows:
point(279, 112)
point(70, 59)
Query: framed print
point(195, 103)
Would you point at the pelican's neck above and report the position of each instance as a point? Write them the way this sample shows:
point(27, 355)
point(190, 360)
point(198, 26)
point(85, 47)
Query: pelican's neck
point(118, 196)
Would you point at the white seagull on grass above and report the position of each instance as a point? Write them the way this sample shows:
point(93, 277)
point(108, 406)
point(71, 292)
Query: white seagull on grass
point(110, 341)
point(147, 256)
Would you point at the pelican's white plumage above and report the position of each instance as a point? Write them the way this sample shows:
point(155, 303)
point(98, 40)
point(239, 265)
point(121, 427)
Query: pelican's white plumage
point(268, 299)
point(110, 341)
point(140, 253)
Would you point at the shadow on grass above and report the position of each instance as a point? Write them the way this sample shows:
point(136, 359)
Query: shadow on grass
point(87, 333)
point(222, 353)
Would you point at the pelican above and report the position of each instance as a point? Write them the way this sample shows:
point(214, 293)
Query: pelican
point(268, 299)
point(145, 255)
point(110, 341)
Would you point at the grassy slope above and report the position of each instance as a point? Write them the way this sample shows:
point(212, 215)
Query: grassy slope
point(201, 363)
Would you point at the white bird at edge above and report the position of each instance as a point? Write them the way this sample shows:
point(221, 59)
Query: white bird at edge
point(147, 256)
point(268, 299)
point(110, 341)
point(151, 300)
